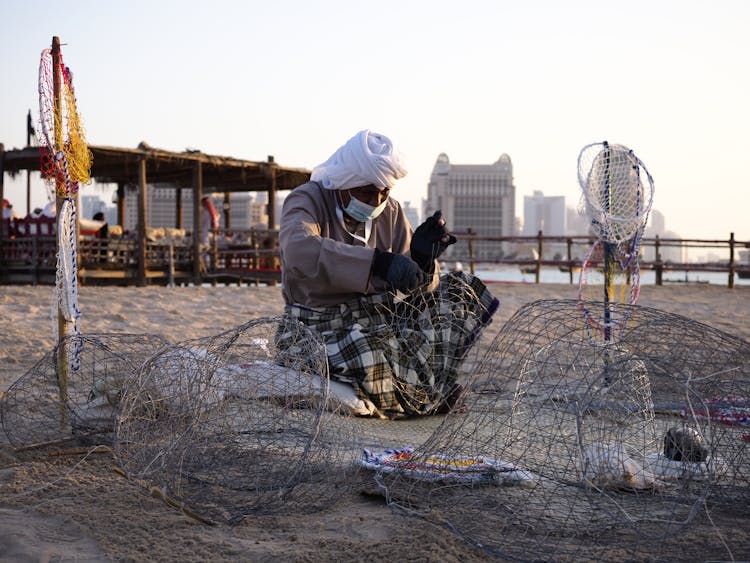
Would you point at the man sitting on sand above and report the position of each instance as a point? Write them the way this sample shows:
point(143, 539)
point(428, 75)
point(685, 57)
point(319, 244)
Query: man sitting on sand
point(349, 256)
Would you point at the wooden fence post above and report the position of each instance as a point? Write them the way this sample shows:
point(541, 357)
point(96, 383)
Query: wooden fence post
point(538, 270)
point(178, 209)
point(121, 205)
point(731, 260)
point(213, 258)
point(657, 262)
point(142, 219)
point(271, 171)
point(197, 196)
point(570, 259)
point(471, 250)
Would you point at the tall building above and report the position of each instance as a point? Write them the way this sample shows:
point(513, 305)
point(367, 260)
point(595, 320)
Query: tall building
point(544, 213)
point(657, 227)
point(92, 204)
point(244, 210)
point(657, 222)
point(577, 224)
point(480, 197)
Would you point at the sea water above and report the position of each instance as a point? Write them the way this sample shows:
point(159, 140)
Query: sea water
point(554, 275)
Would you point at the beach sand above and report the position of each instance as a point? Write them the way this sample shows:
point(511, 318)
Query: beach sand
point(79, 508)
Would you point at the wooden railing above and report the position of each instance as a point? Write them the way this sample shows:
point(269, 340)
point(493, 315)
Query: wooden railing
point(532, 253)
point(244, 255)
point(253, 255)
point(238, 255)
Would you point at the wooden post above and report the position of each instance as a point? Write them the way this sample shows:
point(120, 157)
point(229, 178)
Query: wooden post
point(271, 194)
point(213, 258)
point(178, 209)
point(121, 205)
point(731, 260)
point(657, 263)
point(538, 269)
point(62, 324)
point(471, 250)
point(197, 196)
point(142, 216)
point(227, 210)
point(170, 264)
point(570, 259)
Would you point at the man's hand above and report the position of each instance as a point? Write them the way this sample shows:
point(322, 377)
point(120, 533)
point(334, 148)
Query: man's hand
point(399, 271)
point(429, 241)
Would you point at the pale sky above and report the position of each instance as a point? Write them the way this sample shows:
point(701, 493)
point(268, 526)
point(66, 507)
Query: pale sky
point(537, 80)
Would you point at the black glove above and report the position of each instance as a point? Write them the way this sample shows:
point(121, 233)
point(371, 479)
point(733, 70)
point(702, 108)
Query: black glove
point(429, 241)
point(401, 272)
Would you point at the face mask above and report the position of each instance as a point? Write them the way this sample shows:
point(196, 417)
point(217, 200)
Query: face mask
point(363, 212)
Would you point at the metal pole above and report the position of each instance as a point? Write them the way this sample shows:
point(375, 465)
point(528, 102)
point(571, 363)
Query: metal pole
point(607, 248)
point(608, 282)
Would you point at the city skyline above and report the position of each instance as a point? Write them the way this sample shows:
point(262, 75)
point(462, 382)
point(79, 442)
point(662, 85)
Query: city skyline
point(536, 81)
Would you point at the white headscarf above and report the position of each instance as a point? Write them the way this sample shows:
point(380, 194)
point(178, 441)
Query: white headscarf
point(366, 158)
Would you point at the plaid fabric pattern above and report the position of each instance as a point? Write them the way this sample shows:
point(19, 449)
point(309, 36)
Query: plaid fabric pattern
point(403, 355)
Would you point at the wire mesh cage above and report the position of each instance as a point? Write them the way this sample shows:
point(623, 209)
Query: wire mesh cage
point(73, 390)
point(595, 434)
point(239, 423)
point(404, 353)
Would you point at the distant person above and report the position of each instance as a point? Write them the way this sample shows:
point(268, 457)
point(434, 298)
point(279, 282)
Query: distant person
point(103, 231)
point(209, 221)
point(102, 234)
point(347, 249)
point(7, 229)
point(8, 211)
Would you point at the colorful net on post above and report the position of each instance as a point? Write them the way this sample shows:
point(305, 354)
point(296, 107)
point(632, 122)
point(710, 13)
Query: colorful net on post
point(65, 163)
point(617, 196)
point(65, 156)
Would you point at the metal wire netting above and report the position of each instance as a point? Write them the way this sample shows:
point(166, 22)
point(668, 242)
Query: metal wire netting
point(404, 353)
point(617, 190)
point(233, 424)
point(59, 399)
point(603, 443)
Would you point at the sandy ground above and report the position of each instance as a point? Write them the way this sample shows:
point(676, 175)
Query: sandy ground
point(79, 508)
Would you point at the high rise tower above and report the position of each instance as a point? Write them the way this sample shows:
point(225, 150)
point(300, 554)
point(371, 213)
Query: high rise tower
point(480, 197)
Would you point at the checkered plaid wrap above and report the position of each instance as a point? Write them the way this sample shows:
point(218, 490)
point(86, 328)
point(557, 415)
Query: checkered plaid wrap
point(403, 355)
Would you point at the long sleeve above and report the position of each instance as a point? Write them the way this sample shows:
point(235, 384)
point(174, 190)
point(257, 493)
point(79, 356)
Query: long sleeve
point(322, 264)
point(313, 263)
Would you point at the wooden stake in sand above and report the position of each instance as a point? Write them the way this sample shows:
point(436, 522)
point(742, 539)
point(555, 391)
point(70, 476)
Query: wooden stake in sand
point(62, 323)
point(66, 163)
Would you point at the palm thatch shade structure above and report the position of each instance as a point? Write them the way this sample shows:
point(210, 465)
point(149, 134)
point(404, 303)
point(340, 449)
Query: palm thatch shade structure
point(190, 169)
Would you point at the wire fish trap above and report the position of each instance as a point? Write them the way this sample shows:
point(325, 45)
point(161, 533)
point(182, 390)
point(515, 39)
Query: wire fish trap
point(600, 427)
point(618, 190)
point(59, 399)
point(233, 424)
